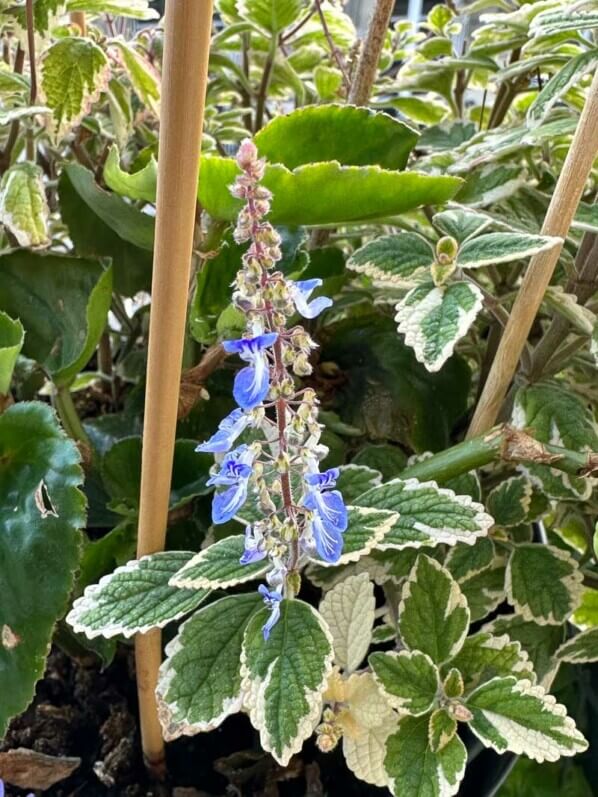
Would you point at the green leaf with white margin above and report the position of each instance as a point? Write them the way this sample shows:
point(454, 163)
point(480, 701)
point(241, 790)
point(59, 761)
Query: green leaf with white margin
point(367, 528)
point(354, 480)
point(348, 610)
point(344, 133)
point(23, 206)
point(135, 598)
point(271, 15)
point(544, 583)
point(565, 20)
point(442, 728)
point(554, 414)
point(465, 561)
point(485, 591)
point(461, 223)
point(41, 512)
point(434, 318)
point(484, 656)
point(134, 9)
point(509, 502)
point(200, 679)
point(539, 641)
point(558, 85)
point(409, 680)
point(428, 514)
point(138, 185)
point(414, 769)
point(284, 678)
point(392, 258)
point(325, 193)
point(218, 567)
point(517, 716)
point(433, 613)
point(12, 336)
point(74, 73)
point(581, 649)
point(63, 303)
point(502, 247)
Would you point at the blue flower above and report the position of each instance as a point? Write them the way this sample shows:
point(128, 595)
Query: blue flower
point(31, 794)
point(300, 293)
point(254, 546)
point(228, 431)
point(251, 383)
point(272, 599)
point(328, 514)
point(234, 474)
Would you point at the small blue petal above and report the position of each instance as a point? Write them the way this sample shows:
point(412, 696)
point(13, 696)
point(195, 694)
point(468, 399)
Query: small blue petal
point(252, 384)
point(248, 348)
point(227, 503)
point(323, 480)
point(228, 431)
point(249, 557)
point(329, 542)
point(301, 291)
point(271, 622)
point(330, 508)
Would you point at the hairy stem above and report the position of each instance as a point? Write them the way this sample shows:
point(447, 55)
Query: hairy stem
point(367, 66)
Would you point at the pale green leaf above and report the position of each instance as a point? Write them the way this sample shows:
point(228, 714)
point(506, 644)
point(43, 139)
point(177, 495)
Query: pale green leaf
point(23, 205)
point(135, 598)
point(271, 15)
point(434, 318)
point(517, 716)
point(559, 85)
point(544, 583)
point(74, 73)
point(484, 656)
point(218, 567)
point(284, 677)
point(586, 614)
point(433, 613)
point(392, 258)
point(414, 769)
point(9, 115)
point(428, 514)
point(327, 81)
point(142, 75)
point(461, 223)
point(581, 649)
point(348, 610)
point(564, 20)
point(138, 185)
point(12, 336)
point(200, 680)
point(135, 9)
point(408, 679)
point(365, 751)
point(510, 501)
point(493, 248)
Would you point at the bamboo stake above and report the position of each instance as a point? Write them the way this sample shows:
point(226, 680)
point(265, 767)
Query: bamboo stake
point(78, 18)
point(184, 79)
point(559, 216)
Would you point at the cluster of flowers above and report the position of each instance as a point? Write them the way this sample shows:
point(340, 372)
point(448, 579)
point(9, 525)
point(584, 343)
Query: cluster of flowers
point(302, 512)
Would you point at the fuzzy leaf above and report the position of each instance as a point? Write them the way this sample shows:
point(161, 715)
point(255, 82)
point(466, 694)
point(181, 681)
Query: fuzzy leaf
point(434, 318)
point(12, 336)
point(441, 729)
point(365, 751)
point(200, 680)
point(484, 657)
point(135, 598)
point(465, 561)
point(367, 527)
point(352, 136)
point(324, 193)
point(502, 247)
point(414, 769)
point(271, 15)
point(63, 303)
point(23, 206)
point(461, 223)
point(433, 613)
point(565, 20)
point(348, 610)
point(284, 678)
point(581, 649)
point(41, 513)
point(408, 679)
point(544, 583)
point(392, 258)
point(428, 514)
point(74, 72)
point(586, 613)
point(138, 185)
point(509, 503)
point(484, 591)
point(515, 715)
point(218, 567)
point(559, 84)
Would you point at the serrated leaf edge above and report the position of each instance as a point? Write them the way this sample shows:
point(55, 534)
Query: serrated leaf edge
point(399, 703)
point(181, 582)
point(373, 542)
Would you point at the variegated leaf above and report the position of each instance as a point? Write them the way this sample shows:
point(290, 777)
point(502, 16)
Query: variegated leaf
point(367, 527)
point(586, 613)
point(517, 716)
point(461, 223)
point(23, 205)
point(393, 258)
point(354, 480)
point(581, 649)
point(484, 656)
point(348, 610)
point(485, 591)
point(218, 567)
point(494, 248)
point(200, 681)
point(544, 583)
point(285, 677)
point(434, 318)
point(441, 729)
point(135, 598)
point(365, 748)
point(509, 502)
point(408, 679)
point(433, 613)
point(465, 561)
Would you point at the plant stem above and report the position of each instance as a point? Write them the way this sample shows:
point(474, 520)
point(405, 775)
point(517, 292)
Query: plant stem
point(559, 216)
point(184, 79)
point(33, 75)
point(69, 415)
point(367, 67)
point(262, 96)
point(333, 48)
point(506, 444)
point(78, 18)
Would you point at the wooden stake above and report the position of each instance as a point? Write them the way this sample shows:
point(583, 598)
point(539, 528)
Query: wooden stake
point(78, 18)
point(184, 79)
point(367, 67)
point(559, 216)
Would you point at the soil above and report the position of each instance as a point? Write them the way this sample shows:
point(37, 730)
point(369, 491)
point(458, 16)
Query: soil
point(83, 710)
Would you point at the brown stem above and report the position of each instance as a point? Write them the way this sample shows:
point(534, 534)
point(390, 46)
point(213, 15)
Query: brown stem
point(78, 19)
point(33, 75)
point(333, 48)
point(262, 96)
point(367, 67)
point(193, 379)
point(505, 96)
